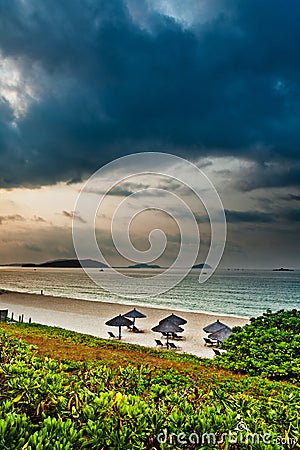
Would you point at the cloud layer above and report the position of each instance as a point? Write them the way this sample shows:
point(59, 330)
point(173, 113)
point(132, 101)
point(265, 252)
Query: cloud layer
point(108, 78)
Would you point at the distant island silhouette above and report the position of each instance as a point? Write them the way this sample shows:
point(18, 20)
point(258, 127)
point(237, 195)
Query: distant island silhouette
point(282, 269)
point(201, 266)
point(68, 263)
point(90, 263)
point(144, 266)
point(156, 266)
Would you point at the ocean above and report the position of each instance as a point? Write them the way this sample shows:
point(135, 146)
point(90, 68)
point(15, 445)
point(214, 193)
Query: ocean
point(244, 293)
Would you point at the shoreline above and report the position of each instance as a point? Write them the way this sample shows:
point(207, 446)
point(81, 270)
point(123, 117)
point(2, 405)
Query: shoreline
point(128, 305)
point(89, 317)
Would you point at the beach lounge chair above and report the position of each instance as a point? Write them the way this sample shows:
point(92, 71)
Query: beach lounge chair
point(173, 346)
point(177, 337)
point(111, 335)
point(159, 343)
point(217, 352)
point(3, 315)
point(134, 329)
point(208, 341)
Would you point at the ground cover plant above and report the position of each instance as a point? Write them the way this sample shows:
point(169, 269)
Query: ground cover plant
point(64, 390)
point(268, 346)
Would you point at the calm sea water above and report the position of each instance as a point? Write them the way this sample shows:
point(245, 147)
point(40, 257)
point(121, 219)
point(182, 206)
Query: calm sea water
point(245, 293)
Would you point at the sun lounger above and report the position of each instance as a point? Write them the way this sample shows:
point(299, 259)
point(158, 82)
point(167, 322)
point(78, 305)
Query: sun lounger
point(173, 346)
point(217, 352)
point(177, 337)
point(111, 335)
point(159, 344)
point(134, 329)
point(208, 341)
point(174, 336)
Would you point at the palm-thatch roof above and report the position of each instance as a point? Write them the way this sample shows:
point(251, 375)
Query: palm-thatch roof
point(213, 327)
point(175, 319)
point(221, 334)
point(134, 314)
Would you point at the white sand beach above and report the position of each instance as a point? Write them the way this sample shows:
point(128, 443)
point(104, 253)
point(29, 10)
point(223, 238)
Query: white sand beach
point(90, 317)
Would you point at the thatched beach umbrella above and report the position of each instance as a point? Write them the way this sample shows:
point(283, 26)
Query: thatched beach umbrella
point(215, 326)
point(221, 334)
point(134, 314)
point(119, 321)
point(175, 319)
point(167, 327)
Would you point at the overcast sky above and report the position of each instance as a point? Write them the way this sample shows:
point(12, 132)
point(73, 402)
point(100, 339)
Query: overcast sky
point(83, 82)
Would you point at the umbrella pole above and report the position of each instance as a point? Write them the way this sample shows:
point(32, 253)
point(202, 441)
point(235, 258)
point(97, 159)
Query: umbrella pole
point(167, 341)
point(119, 333)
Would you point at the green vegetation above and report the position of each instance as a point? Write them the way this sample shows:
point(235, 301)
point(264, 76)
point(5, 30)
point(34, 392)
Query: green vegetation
point(269, 346)
point(97, 394)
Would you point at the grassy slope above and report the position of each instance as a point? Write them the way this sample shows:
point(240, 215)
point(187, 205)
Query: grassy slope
point(62, 345)
point(265, 404)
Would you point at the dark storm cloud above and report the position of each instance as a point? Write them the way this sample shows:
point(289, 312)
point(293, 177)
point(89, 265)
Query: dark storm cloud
point(228, 86)
point(12, 218)
point(257, 217)
point(68, 214)
point(19, 218)
point(291, 197)
point(39, 219)
point(33, 248)
point(249, 217)
point(73, 215)
point(126, 189)
point(293, 216)
point(269, 176)
point(75, 180)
